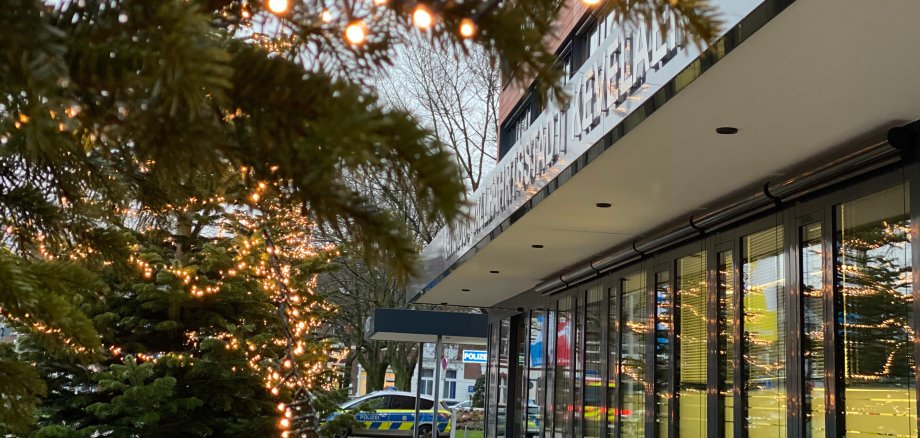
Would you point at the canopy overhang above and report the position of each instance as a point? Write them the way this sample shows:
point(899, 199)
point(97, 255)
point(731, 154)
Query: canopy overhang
point(427, 326)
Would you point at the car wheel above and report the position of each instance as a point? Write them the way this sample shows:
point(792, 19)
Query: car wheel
point(343, 434)
point(424, 431)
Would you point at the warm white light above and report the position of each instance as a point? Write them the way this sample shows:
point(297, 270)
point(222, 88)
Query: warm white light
point(380, 2)
point(278, 6)
point(422, 17)
point(591, 2)
point(326, 16)
point(355, 32)
point(467, 28)
point(285, 423)
point(281, 406)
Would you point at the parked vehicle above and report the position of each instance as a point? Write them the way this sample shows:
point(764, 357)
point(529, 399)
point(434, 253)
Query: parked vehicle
point(392, 413)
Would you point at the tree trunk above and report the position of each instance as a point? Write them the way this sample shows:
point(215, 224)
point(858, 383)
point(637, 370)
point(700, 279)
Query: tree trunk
point(403, 356)
point(375, 363)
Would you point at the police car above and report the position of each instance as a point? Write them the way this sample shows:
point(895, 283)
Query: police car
point(392, 413)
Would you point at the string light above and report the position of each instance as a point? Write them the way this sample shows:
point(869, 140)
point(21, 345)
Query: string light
point(467, 28)
point(326, 16)
point(421, 17)
point(278, 6)
point(356, 32)
point(591, 2)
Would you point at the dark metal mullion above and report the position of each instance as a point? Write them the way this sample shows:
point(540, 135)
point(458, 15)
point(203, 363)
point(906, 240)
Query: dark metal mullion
point(573, 353)
point(715, 427)
point(912, 175)
point(651, 361)
point(740, 404)
point(832, 359)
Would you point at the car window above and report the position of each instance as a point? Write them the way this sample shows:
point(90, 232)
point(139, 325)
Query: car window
point(426, 405)
point(375, 403)
point(402, 402)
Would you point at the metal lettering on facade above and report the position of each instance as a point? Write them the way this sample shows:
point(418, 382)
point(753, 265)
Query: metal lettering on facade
point(626, 66)
point(614, 72)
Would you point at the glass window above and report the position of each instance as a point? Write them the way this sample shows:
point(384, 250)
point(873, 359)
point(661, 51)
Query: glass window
point(632, 356)
point(764, 333)
point(535, 372)
point(663, 326)
point(874, 299)
point(427, 381)
point(594, 362)
point(403, 402)
point(501, 417)
point(726, 291)
point(549, 406)
point(578, 410)
point(563, 385)
point(492, 393)
point(450, 385)
point(813, 329)
point(691, 338)
point(613, 316)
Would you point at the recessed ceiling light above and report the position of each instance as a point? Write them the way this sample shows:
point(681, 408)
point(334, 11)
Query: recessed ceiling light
point(536, 246)
point(726, 130)
point(493, 272)
point(464, 290)
point(603, 205)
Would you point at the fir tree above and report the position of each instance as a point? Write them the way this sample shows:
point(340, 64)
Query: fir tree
point(119, 118)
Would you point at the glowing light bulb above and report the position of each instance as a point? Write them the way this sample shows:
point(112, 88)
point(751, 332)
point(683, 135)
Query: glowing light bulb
point(422, 17)
point(591, 2)
point(275, 391)
point(278, 6)
point(326, 15)
point(467, 28)
point(355, 33)
point(285, 423)
point(255, 197)
point(288, 363)
point(380, 2)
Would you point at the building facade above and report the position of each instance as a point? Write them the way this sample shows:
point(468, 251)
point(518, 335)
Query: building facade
point(704, 243)
point(461, 366)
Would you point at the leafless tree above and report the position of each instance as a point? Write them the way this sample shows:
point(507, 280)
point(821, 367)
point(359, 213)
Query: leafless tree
point(455, 95)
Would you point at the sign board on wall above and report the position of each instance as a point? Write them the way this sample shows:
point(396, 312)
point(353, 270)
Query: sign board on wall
point(627, 65)
point(475, 356)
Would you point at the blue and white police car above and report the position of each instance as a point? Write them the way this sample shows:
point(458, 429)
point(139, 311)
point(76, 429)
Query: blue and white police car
point(392, 413)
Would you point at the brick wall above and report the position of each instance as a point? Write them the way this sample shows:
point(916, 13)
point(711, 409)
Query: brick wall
point(570, 14)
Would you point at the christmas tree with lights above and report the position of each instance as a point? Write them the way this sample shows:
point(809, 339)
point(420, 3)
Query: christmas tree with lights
point(165, 167)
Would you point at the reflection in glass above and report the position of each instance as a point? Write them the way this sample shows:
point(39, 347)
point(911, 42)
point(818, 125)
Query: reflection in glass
point(874, 296)
point(534, 399)
point(492, 393)
point(726, 291)
point(549, 406)
point(578, 395)
point(691, 339)
point(594, 403)
point(663, 324)
point(501, 418)
point(612, 369)
point(764, 363)
point(813, 329)
point(562, 411)
point(632, 357)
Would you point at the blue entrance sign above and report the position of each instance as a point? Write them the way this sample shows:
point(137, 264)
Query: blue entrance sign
point(474, 356)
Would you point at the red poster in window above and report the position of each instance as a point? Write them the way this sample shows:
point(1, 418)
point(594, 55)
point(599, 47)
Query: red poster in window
point(563, 343)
